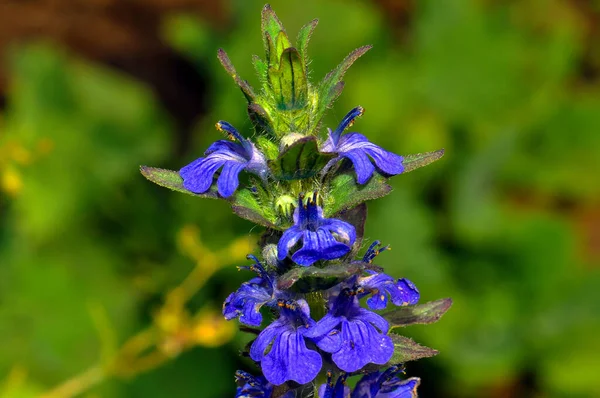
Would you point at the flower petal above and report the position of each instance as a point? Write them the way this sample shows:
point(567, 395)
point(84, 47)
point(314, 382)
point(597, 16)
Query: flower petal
point(408, 294)
point(258, 348)
point(319, 245)
point(229, 179)
point(198, 175)
point(377, 320)
point(344, 230)
point(362, 344)
point(289, 238)
point(290, 359)
point(362, 164)
point(404, 389)
point(388, 162)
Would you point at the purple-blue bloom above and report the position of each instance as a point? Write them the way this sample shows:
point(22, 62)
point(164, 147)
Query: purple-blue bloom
point(386, 385)
point(246, 302)
point(317, 236)
point(373, 385)
point(337, 390)
point(379, 285)
point(288, 357)
point(359, 150)
point(230, 157)
point(353, 335)
point(252, 387)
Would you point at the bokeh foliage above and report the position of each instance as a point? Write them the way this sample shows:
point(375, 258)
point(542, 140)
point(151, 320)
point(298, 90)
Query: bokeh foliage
point(505, 224)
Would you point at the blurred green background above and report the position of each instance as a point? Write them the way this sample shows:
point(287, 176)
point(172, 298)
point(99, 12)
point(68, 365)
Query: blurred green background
point(507, 223)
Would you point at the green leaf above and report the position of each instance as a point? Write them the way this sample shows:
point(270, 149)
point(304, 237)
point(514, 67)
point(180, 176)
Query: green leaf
point(172, 180)
point(430, 312)
point(243, 84)
point(412, 162)
point(261, 119)
point(327, 276)
point(406, 349)
point(303, 38)
point(261, 68)
point(301, 159)
point(346, 193)
point(331, 86)
point(288, 82)
point(245, 204)
point(267, 147)
point(274, 36)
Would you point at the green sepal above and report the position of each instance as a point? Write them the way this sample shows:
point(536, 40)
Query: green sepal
point(406, 349)
point(303, 38)
point(261, 68)
point(243, 84)
point(246, 204)
point(346, 193)
point(172, 180)
point(275, 38)
point(267, 147)
point(331, 86)
point(315, 278)
point(261, 120)
point(418, 160)
point(288, 82)
point(301, 159)
point(422, 314)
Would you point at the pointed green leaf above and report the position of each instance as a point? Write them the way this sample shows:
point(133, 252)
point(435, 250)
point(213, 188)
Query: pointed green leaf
point(246, 205)
point(330, 89)
point(172, 180)
point(412, 162)
point(430, 312)
point(288, 82)
point(301, 159)
point(267, 147)
point(303, 38)
point(261, 119)
point(406, 349)
point(243, 84)
point(346, 193)
point(274, 35)
point(260, 67)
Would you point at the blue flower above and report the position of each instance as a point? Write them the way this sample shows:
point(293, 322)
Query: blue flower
point(373, 385)
point(337, 390)
point(386, 385)
point(380, 286)
point(232, 157)
point(353, 335)
point(252, 387)
point(317, 235)
point(359, 150)
point(402, 291)
point(288, 357)
point(246, 302)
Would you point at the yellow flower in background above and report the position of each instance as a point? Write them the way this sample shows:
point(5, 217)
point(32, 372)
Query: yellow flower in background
point(11, 182)
point(211, 329)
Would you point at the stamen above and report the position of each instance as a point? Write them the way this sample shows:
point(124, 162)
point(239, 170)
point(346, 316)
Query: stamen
point(231, 131)
point(373, 251)
point(346, 122)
